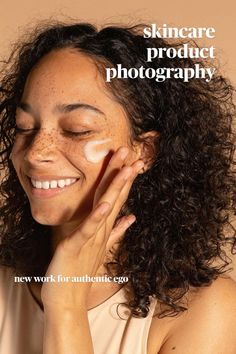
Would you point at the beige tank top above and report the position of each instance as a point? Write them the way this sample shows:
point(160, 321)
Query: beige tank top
point(22, 321)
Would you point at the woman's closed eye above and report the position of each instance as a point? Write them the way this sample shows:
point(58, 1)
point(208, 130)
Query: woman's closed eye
point(25, 130)
point(77, 133)
point(65, 132)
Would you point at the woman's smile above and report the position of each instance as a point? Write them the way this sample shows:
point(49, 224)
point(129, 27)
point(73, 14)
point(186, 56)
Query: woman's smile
point(49, 186)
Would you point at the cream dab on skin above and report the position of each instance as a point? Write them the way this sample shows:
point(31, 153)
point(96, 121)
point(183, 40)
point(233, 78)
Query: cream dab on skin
point(92, 153)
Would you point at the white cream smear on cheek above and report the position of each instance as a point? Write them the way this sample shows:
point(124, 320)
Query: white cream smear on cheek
point(90, 152)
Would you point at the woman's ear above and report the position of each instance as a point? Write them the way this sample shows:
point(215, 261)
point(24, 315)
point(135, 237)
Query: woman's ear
point(146, 149)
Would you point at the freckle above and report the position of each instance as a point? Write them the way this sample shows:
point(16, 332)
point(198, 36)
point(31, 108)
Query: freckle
point(173, 348)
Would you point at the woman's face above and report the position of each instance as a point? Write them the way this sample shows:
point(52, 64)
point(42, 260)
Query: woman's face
point(72, 127)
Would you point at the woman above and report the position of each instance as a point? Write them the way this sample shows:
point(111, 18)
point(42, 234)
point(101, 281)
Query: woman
point(129, 178)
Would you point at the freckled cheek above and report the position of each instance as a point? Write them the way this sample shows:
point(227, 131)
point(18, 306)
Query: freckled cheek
point(89, 153)
point(92, 151)
point(72, 150)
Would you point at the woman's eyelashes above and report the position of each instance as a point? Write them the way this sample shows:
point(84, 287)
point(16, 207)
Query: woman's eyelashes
point(70, 133)
point(77, 133)
point(19, 130)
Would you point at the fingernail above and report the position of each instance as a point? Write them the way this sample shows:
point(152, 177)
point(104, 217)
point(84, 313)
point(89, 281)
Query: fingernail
point(140, 166)
point(131, 219)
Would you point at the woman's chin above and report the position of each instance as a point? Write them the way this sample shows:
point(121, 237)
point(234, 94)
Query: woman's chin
point(55, 214)
point(50, 218)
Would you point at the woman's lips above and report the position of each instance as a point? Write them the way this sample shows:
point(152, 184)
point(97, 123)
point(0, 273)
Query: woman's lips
point(49, 187)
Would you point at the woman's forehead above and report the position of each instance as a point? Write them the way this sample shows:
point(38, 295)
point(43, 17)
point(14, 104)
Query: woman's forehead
point(63, 70)
point(68, 76)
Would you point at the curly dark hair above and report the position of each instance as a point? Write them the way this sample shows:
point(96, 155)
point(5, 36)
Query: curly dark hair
point(182, 203)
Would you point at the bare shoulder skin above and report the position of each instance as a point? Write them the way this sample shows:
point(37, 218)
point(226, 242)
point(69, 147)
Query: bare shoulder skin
point(207, 327)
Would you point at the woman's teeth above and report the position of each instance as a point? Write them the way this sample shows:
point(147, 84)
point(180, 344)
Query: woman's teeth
point(59, 183)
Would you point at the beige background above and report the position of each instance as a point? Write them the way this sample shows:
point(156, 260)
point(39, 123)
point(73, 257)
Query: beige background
point(16, 16)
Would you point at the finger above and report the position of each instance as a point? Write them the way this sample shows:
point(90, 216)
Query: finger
point(115, 195)
point(119, 230)
point(94, 223)
point(136, 168)
point(115, 187)
point(90, 225)
point(125, 176)
point(99, 214)
point(115, 237)
point(110, 196)
point(124, 193)
point(115, 164)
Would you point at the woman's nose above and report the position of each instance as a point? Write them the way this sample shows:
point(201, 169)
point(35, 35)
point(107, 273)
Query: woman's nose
point(43, 148)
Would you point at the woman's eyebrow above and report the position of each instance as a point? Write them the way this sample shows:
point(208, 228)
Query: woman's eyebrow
point(67, 108)
point(62, 108)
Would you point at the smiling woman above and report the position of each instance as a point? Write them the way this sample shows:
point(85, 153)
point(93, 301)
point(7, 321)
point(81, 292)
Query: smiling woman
point(84, 159)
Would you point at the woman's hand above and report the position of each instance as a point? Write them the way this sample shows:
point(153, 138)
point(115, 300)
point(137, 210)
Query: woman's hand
point(66, 325)
point(83, 251)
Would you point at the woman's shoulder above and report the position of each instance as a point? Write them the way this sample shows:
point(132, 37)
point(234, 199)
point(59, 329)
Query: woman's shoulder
point(208, 325)
point(220, 294)
point(6, 286)
point(6, 278)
